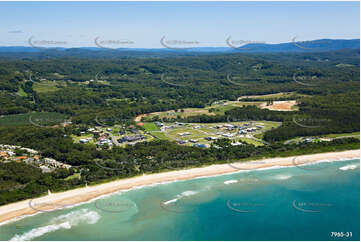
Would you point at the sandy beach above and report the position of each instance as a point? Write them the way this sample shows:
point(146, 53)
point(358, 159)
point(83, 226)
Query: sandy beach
point(73, 197)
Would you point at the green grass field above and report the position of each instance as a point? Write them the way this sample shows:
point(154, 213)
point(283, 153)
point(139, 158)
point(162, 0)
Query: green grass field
point(151, 127)
point(47, 86)
point(84, 136)
point(208, 130)
point(74, 176)
point(251, 141)
point(22, 93)
point(354, 134)
point(38, 119)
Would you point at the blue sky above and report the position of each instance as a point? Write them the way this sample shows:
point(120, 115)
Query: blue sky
point(143, 24)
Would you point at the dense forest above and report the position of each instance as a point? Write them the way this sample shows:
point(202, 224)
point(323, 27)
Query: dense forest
point(325, 85)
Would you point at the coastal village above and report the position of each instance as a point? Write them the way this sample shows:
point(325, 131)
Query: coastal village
point(200, 135)
point(10, 153)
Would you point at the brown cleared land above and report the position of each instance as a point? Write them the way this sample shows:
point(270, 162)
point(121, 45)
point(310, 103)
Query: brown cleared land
point(280, 105)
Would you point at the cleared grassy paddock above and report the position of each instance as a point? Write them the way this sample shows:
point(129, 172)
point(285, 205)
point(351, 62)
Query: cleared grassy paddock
point(38, 119)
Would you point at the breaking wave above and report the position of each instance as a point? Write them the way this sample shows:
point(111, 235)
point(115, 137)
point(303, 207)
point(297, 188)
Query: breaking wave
point(66, 221)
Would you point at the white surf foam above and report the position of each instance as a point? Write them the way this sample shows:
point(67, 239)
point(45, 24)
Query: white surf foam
point(282, 177)
point(349, 167)
point(66, 221)
point(230, 182)
point(179, 196)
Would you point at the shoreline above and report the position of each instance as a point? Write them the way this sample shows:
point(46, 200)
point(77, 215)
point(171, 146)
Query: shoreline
point(54, 201)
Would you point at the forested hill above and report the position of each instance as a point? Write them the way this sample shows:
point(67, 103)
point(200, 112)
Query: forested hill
point(324, 85)
point(294, 46)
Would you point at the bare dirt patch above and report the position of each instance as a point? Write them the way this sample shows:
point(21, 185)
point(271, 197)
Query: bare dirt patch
point(280, 105)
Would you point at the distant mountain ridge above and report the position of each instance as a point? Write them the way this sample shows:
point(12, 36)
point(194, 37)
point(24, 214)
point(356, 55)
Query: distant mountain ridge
point(297, 46)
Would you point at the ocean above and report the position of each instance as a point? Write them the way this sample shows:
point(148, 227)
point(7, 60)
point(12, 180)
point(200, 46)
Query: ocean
point(315, 202)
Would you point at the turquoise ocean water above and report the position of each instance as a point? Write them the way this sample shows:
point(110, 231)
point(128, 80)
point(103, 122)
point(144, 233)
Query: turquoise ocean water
point(294, 203)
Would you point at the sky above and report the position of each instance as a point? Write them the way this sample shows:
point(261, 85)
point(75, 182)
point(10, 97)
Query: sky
point(174, 24)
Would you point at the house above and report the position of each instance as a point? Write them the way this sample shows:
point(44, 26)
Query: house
point(210, 138)
point(131, 138)
point(236, 143)
point(21, 157)
point(10, 153)
point(159, 124)
point(4, 155)
point(109, 129)
point(228, 126)
point(134, 131)
point(184, 134)
point(181, 142)
point(45, 169)
point(83, 141)
point(106, 142)
point(229, 135)
point(193, 141)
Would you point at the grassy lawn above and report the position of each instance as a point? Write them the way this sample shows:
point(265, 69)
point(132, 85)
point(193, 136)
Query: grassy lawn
point(251, 141)
point(47, 86)
point(151, 127)
point(159, 135)
point(74, 176)
point(44, 88)
point(84, 136)
point(354, 134)
point(22, 93)
point(39, 118)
